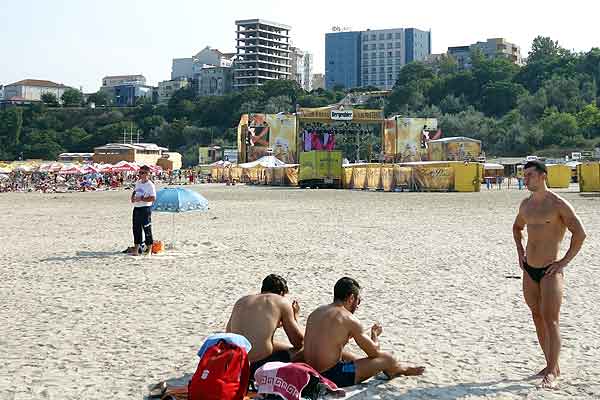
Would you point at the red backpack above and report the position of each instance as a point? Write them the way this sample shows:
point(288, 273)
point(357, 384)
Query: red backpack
point(222, 374)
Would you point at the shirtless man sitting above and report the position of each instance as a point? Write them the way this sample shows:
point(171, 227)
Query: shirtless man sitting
point(547, 217)
point(257, 317)
point(328, 330)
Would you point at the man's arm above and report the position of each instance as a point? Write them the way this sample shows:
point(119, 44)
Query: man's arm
point(150, 197)
point(290, 325)
point(518, 227)
point(578, 235)
point(368, 343)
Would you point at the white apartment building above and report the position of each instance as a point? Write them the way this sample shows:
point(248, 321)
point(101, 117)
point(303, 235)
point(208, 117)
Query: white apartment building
point(301, 68)
point(32, 90)
point(491, 48)
point(189, 67)
point(383, 55)
point(263, 53)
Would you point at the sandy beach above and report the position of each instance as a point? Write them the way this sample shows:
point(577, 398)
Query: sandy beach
point(79, 320)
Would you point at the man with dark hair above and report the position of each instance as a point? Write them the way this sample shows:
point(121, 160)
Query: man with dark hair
point(257, 317)
point(547, 217)
point(142, 198)
point(328, 330)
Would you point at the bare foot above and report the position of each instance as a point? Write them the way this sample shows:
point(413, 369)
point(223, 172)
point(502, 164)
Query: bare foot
point(544, 373)
point(407, 371)
point(550, 381)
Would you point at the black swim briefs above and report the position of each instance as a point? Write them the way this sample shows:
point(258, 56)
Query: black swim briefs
point(535, 273)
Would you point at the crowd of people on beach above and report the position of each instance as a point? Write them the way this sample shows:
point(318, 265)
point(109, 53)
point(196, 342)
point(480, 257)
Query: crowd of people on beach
point(54, 182)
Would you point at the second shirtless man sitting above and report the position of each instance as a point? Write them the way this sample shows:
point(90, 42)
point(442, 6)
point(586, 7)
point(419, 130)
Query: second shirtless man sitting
point(330, 327)
point(257, 317)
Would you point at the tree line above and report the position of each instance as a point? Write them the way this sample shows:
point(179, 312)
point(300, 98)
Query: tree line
point(549, 105)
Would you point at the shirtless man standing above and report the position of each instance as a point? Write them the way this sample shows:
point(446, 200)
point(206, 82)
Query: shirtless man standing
point(330, 327)
point(547, 216)
point(257, 317)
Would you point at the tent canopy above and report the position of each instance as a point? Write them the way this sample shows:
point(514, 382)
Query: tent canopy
point(492, 166)
point(266, 161)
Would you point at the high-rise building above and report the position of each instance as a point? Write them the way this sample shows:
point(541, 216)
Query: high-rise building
point(383, 54)
point(491, 48)
point(372, 57)
point(263, 53)
point(342, 60)
point(301, 68)
point(418, 44)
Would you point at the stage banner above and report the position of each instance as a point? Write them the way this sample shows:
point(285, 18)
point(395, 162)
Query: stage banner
point(347, 177)
point(434, 178)
point(256, 137)
point(387, 177)
point(282, 138)
point(359, 177)
point(403, 177)
point(412, 135)
point(291, 174)
point(374, 176)
point(462, 150)
point(389, 139)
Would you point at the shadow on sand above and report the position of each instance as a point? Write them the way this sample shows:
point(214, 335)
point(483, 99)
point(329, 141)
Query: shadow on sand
point(452, 392)
point(83, 255)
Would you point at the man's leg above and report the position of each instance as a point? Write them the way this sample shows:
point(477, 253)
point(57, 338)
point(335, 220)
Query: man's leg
point(531, 292)
point(148, 226)
point(386, 363)
point(137, 228)
point(552, 293)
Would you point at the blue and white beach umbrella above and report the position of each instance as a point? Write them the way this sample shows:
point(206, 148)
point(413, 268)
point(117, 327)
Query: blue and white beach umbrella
point(178, 200)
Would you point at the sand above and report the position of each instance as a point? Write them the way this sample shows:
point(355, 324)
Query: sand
point(81, 321)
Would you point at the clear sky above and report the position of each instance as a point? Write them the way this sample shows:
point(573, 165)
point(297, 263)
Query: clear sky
point(77, 42)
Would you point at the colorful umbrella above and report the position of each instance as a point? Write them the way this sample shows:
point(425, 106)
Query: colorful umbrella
point(178, 200)
point(70, 170)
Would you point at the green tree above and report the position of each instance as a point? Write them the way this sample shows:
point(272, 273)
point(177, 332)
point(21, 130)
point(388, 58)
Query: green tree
point(11, 125)
point(558, 128)
point(588, 120)
point(498, 98)
point(43, 144)
point(278, 104)
point(72, 98)
point(100, 98)
point(49, 99)
point(276, 88)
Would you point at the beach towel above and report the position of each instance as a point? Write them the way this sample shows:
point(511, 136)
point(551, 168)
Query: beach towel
point(293, 380)
point(231, 338)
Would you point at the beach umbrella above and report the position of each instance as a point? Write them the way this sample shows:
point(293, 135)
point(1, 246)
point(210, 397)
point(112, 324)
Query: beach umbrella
point(124, 166)
point(106, 168)
point(24, 168)
point(70, 170)
point(179, 200)
point(90, 169)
